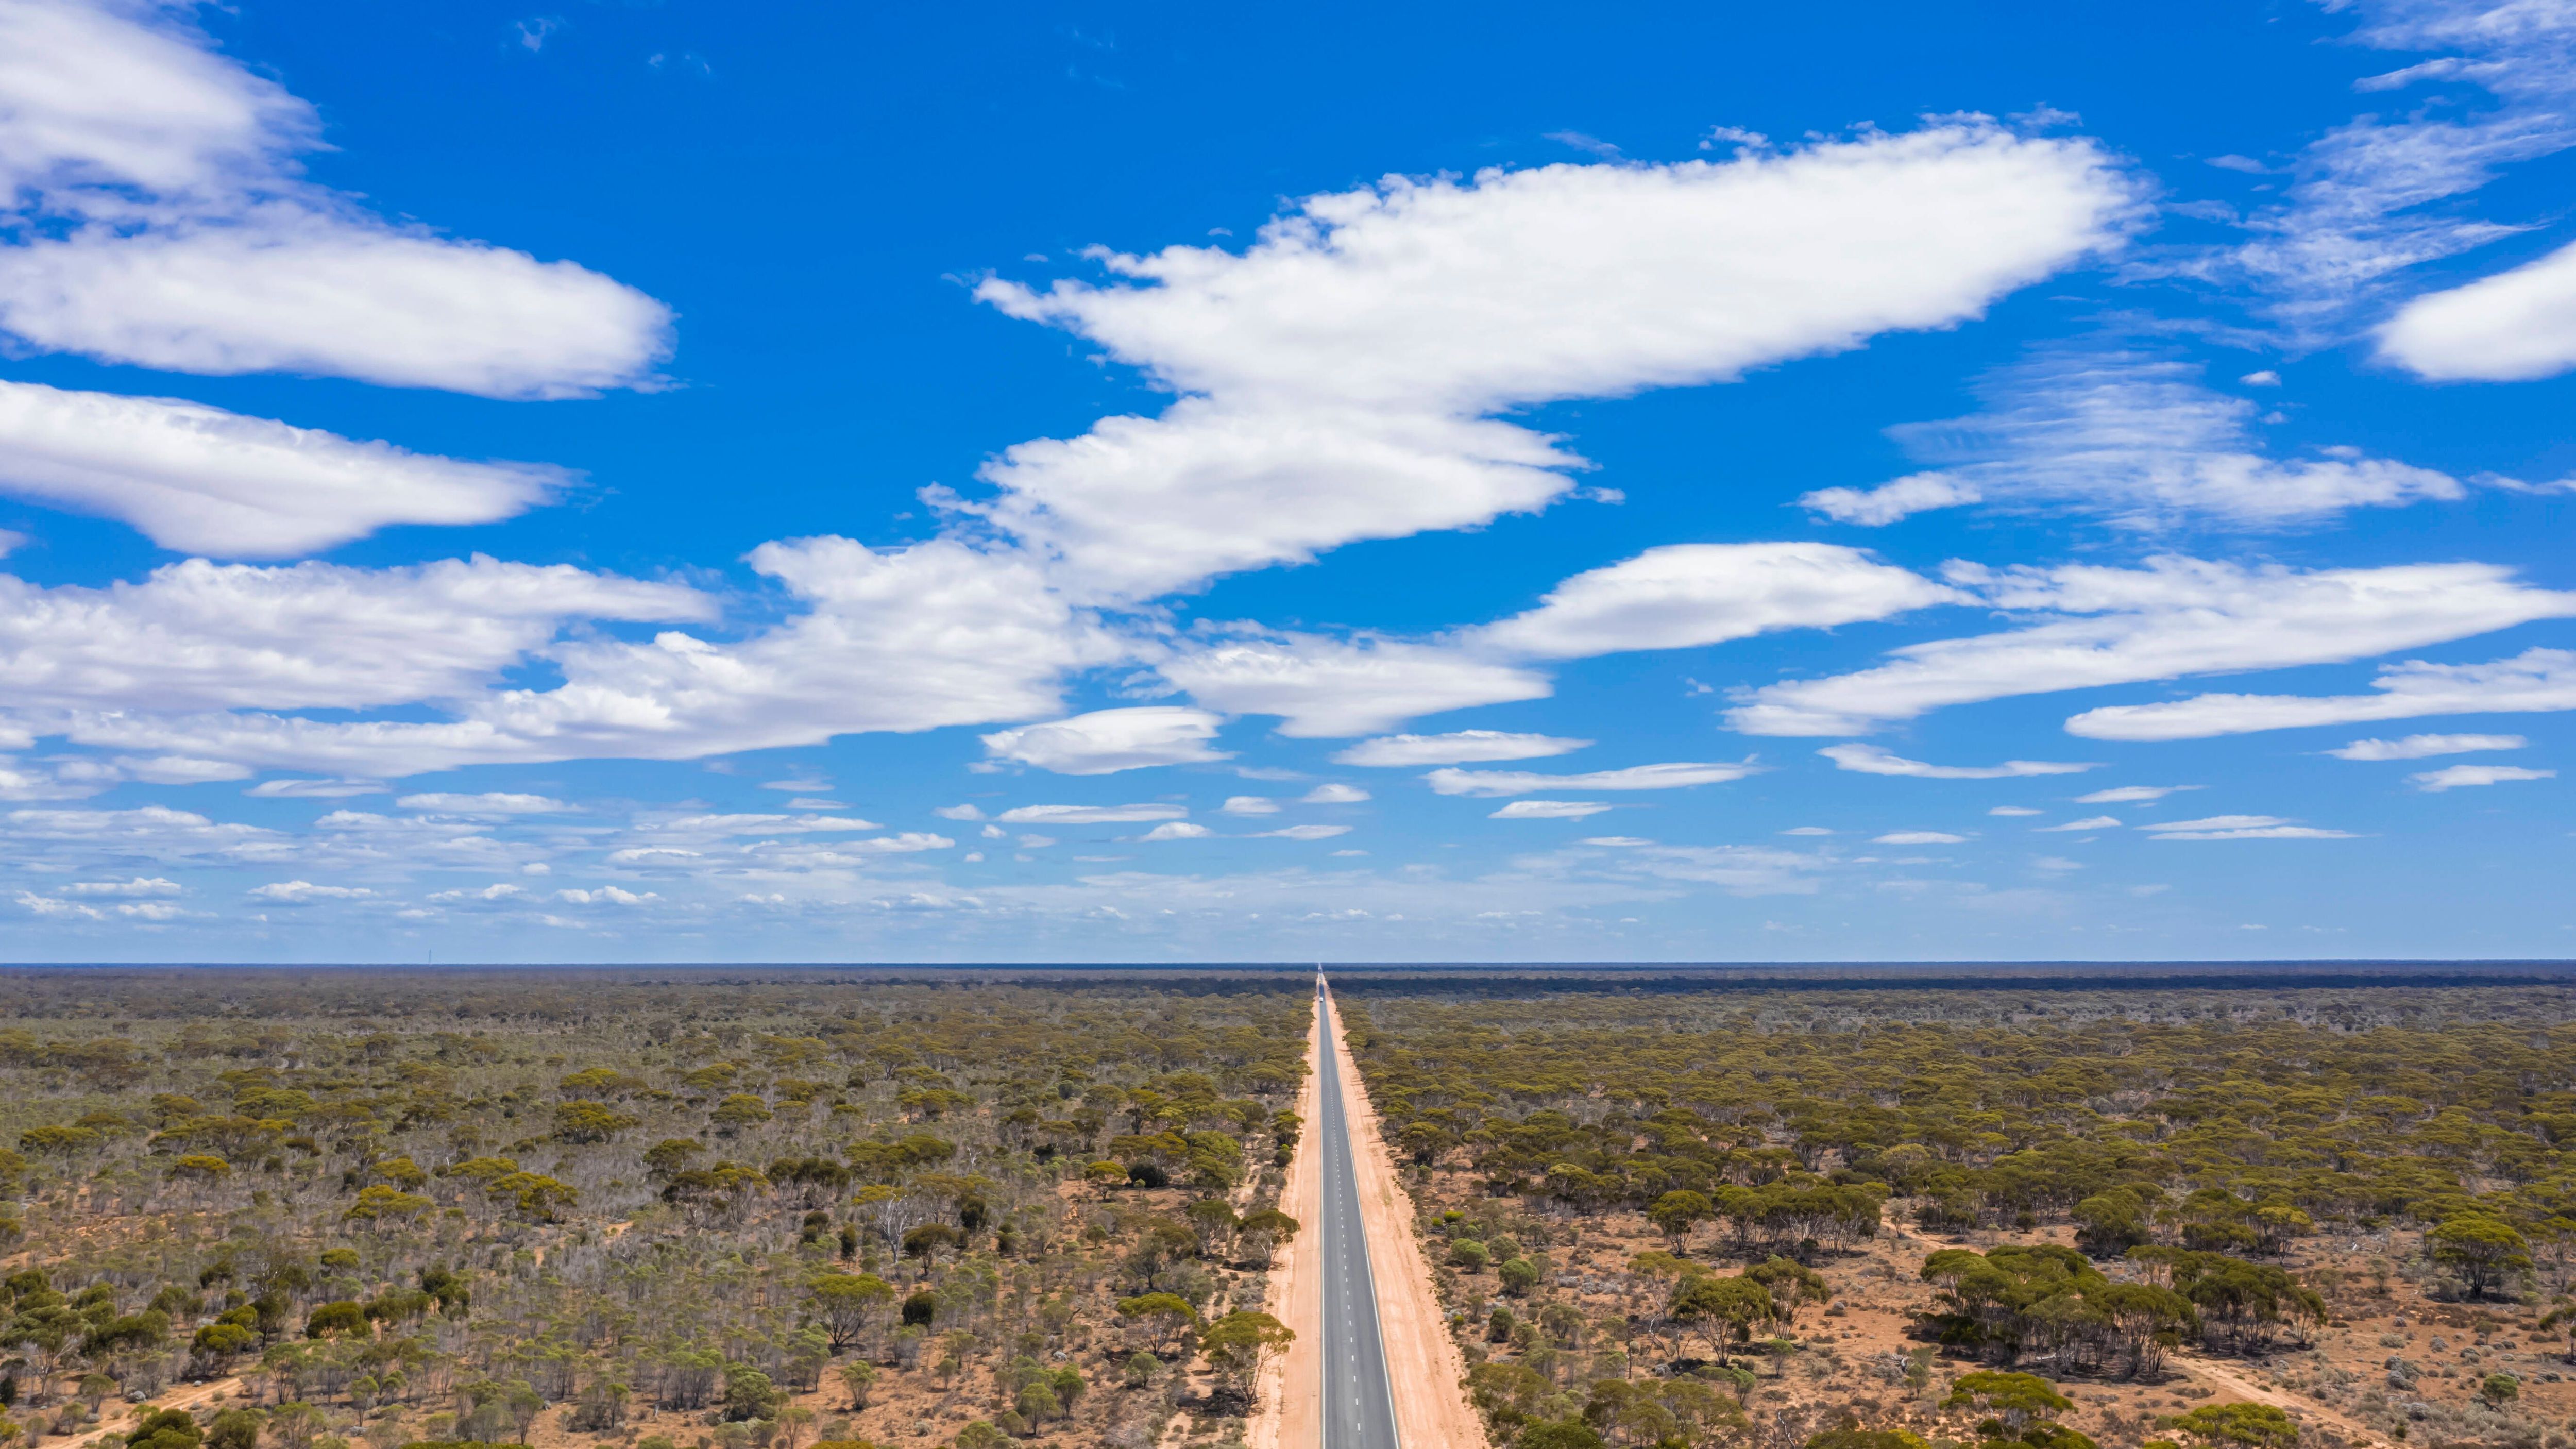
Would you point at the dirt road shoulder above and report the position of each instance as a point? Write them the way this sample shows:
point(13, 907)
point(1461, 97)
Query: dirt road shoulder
point(1422, 1360)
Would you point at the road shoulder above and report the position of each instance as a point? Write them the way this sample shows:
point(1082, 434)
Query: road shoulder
point(1422, 1361)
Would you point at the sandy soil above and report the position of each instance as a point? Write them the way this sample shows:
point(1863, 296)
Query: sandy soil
point(1422, 1360)
point(1290, 1390)
point(2235, 1385)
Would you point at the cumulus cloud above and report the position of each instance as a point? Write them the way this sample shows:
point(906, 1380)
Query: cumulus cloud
point(2534, 681)
point(941, 633)
point(1334, 794)
point(489, 803)
point(1090, 814)
point(325, 789)
point(758, 824)
point(138, 886)
point(2130, 794)
point(1918, 837)
point(304, 892)
point(2416, 747)
point(149, 832)
point(197, 635)
point(1338, 376)
point(1549, 810)
point(2455, 777)
point(1250, 805)
point(1302, 832)
point(1177, 830)
point(174, 231)
point(606, 896)
point(1461, 747)
point(2173, 618)
point(2132, 437)
point(1888, 502)
point(1871, 760)
point(1676, 597)
point(1635, 777)
point(1743, 870)
point(2511, 327)
point(2242, 827)
point(1327, 688)
point(1686, 595)
point(1107, 741)
point(203, 480)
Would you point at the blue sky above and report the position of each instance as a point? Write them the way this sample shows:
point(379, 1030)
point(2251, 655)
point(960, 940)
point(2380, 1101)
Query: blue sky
point(689, 482)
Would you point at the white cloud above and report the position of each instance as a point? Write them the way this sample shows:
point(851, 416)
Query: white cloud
point(1107, 741)
point(2534, 681)
point(498, 891)
point(2133, 437)
point(1178, 830)
point(139, 886)
point(2242, 827)
point(1614, 842)
point(940, 634)
point(2096, 822)
point(1888, 502)
point(489, 803)
point(1303, 832)
point(2014, 810)
point(756, 824)
point(1463, 747)
point(314, 789)
point(1326, 688)
point(2511, 327)
point(178, 234)
point(147, 832)
point(2131, 794)
point(801, 785)
point(606, 896)
point(2175, 617)
point(2416, 747)
point(203, 480)
point(959, 812)
point(196, 635)
point(1918, 837)
point(1806, 830)
point(300, 892)
point(1743, 870)
point(1090, 814)
point(1871, 760)
point(1140, 507)
point(1334, 794)
point(1337, 375)
point(1549, 810)
point(2457, 776)
point(1687, 595)
point(1635, 777)
point(2358, 212)
point(1250, 805)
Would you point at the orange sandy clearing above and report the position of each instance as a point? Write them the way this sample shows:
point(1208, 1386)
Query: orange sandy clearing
point(1288, 1414)
point(1422, 1362)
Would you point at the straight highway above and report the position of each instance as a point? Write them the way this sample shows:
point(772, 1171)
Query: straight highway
point(1359, 1402)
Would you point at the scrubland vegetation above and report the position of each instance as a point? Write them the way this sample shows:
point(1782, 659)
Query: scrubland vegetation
point(301, 1209)
point(670, 1211)
point(1857, 1219)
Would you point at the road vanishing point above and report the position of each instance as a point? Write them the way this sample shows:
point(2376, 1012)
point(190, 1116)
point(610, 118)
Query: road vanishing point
point(1359, 1402)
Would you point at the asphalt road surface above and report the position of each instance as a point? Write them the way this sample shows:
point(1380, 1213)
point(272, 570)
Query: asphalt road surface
point(1359, 1404)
